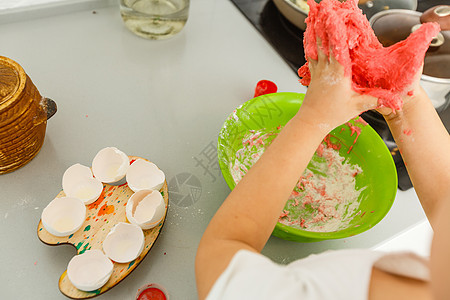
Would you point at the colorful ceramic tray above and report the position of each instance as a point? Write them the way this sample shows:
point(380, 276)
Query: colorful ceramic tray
point(101, 216)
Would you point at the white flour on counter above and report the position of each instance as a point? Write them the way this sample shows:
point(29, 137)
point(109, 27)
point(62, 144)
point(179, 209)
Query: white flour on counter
point(325, 198)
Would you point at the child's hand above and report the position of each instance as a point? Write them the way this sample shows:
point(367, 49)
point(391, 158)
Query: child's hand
point(414, 91)
point(330, 100)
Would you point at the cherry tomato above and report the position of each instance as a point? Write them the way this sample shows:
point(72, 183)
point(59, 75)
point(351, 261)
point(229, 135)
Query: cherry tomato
point(265, 87)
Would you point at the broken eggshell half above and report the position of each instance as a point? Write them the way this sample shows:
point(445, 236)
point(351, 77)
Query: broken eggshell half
point(78, 182)
point(63, 216)
point(146, 208)
point(89, 271)
point(110, 165)
point(124, 242)
point(144, 175)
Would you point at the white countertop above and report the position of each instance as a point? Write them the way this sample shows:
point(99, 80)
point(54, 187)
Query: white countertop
point(162, 100)
point(14, 4)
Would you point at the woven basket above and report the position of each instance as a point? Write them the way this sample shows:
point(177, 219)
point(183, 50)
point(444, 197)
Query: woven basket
point(23, 117)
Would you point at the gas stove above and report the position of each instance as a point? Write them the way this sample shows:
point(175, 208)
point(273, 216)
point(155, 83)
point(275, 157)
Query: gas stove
point(287, 40)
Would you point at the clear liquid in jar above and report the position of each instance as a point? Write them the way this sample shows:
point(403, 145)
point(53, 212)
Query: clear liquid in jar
point(154, 19)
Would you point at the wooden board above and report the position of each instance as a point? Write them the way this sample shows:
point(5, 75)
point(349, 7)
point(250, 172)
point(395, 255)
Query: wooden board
point(101, 216)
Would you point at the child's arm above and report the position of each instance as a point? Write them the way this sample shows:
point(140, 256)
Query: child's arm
point(425, 147)
point(247, 217)
point(424, 144)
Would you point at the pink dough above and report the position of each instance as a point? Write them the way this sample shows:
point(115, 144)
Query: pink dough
point(385, 73)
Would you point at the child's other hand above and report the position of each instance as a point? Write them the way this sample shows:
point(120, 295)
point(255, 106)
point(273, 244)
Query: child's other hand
point(414, 91)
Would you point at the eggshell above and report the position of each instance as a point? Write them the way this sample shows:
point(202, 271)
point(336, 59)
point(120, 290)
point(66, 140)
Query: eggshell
point(124, 242)
point(78, 182)
point(144, 175)
point(63, 216)
point(110, 165)
point(89, 271)
point(146, 208)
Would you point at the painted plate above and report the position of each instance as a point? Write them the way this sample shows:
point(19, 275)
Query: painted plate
point(101, 216)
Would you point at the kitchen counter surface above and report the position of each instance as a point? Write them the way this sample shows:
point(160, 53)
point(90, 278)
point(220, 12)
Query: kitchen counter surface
point(162, 100)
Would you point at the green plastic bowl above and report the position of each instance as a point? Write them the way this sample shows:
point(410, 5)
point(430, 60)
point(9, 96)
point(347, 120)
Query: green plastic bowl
point(379, 175)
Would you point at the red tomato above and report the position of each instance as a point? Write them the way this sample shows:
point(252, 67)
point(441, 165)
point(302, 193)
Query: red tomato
point(265, 87)
point(152, 294)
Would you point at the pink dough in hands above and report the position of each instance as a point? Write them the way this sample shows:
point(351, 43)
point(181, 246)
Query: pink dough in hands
point(383, 72)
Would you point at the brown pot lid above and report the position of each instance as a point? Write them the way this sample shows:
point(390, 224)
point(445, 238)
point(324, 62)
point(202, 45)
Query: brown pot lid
point(12, 79)
point(395, 25)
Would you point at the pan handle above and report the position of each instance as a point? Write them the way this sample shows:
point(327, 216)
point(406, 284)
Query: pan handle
point(49, 107)
point(439, 14)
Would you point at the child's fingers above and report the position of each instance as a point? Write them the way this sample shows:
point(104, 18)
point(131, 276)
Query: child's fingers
point(335, 65)
point(385, 111)
point(321, 56)
point(415, 82)
point(312, 65)
point(366, 102)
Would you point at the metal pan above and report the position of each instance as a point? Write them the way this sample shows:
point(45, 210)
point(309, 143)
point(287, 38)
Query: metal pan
point(395, 25)
point(296, 14)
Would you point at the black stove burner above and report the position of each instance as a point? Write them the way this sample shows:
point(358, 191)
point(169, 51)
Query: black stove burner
point(284, 37)
point(287, 40)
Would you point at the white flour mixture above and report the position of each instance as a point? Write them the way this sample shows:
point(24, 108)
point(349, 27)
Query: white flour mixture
point(325, 198)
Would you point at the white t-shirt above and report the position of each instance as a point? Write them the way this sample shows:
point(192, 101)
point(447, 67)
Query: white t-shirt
point(342, 274)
